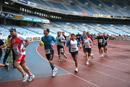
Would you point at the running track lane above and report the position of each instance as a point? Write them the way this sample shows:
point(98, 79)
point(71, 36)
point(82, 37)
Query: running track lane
point(102, 72)
point(67, 80)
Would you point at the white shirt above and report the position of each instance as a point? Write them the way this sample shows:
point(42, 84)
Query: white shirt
point(73, 45)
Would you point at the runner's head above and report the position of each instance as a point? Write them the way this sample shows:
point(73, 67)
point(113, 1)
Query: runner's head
point(12, 32)
point(63, 33)
point(104, 34)
point(73, 36)
point(46, 32)
point(88, 33)
point(58, 33)
point(84, 32)
point(99, 34)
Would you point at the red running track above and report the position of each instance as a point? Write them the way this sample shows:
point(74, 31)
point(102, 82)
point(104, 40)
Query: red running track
point(111, 71)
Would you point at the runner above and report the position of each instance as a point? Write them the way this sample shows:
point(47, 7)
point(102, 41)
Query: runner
point(89, 36)
point(20, 53)
point(63, 34)
point(8, 50)
point(60, 45)
point(2, 45)
point(73, 49)
point(78, 36)
point(106, 41)
point(87, 44)
point(81, 41)
point(101, 44)
point(48, 46)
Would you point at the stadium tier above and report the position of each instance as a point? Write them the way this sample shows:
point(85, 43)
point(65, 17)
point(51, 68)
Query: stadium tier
point(88, 6)
point(70, 27)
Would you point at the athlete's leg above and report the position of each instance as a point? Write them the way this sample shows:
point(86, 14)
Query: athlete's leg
point(26, 69)
point(7, 52)
point(75, 58)
point(19, 67)
point(2, 65)
point(59, 54)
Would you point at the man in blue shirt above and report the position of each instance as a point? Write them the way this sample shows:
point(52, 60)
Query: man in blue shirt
point(49, 51)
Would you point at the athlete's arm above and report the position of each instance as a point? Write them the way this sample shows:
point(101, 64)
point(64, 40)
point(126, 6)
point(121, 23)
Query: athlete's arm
point(55, 41)
point(63, 39)
point(68, 43)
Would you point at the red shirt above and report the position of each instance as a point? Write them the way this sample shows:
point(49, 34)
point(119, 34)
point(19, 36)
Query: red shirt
point(90, 38)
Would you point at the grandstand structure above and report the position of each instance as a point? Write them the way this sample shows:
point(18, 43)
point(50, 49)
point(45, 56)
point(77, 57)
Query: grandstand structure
point(30, 17)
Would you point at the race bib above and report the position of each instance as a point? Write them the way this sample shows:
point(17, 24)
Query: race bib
point(47, 51)
point(86, 45)
point(73, 49)
point(100, 40)
point(61, 49)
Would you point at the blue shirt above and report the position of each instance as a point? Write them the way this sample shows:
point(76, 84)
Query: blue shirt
point(82, 37)
point(48, 41)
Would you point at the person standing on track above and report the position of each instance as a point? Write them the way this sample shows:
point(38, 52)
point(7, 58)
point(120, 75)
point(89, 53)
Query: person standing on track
point(8, 50)
point(49, 51)
point(60, 45)
point(101, 44)
point(73, 44)
point(106, 41)
point(87, 44)
point(20, 52)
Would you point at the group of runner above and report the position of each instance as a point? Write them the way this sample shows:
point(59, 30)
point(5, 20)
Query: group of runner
point(17, 44)
point(74, 42)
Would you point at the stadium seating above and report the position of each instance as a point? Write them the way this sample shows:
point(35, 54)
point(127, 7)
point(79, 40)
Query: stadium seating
point(107, 8)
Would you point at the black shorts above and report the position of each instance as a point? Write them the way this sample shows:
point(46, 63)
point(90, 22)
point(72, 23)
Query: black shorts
point(59, 49)
point(87, 50)
point(100, 46)
point(74, 53)
point(105, 44)
point(50, 56)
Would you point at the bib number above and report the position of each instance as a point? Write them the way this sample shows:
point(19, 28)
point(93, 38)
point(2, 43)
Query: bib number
point(86, 45)
point(73, 49)
point(100, 40)
point(47, 51)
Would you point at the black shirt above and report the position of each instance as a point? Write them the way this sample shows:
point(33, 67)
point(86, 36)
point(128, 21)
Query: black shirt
point(64, 37)
point(1, 42)
point(100, 40)
point(106, 37)
point(78, 36)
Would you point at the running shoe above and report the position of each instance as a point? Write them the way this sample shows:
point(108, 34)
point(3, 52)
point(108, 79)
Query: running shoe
point(65, 56)
point(76, 70)
point(100, 56)
point(25, 78)
point(7, 67)
point(92, 56)
point(31, 78)
point(54, 71)
point(87, 63)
